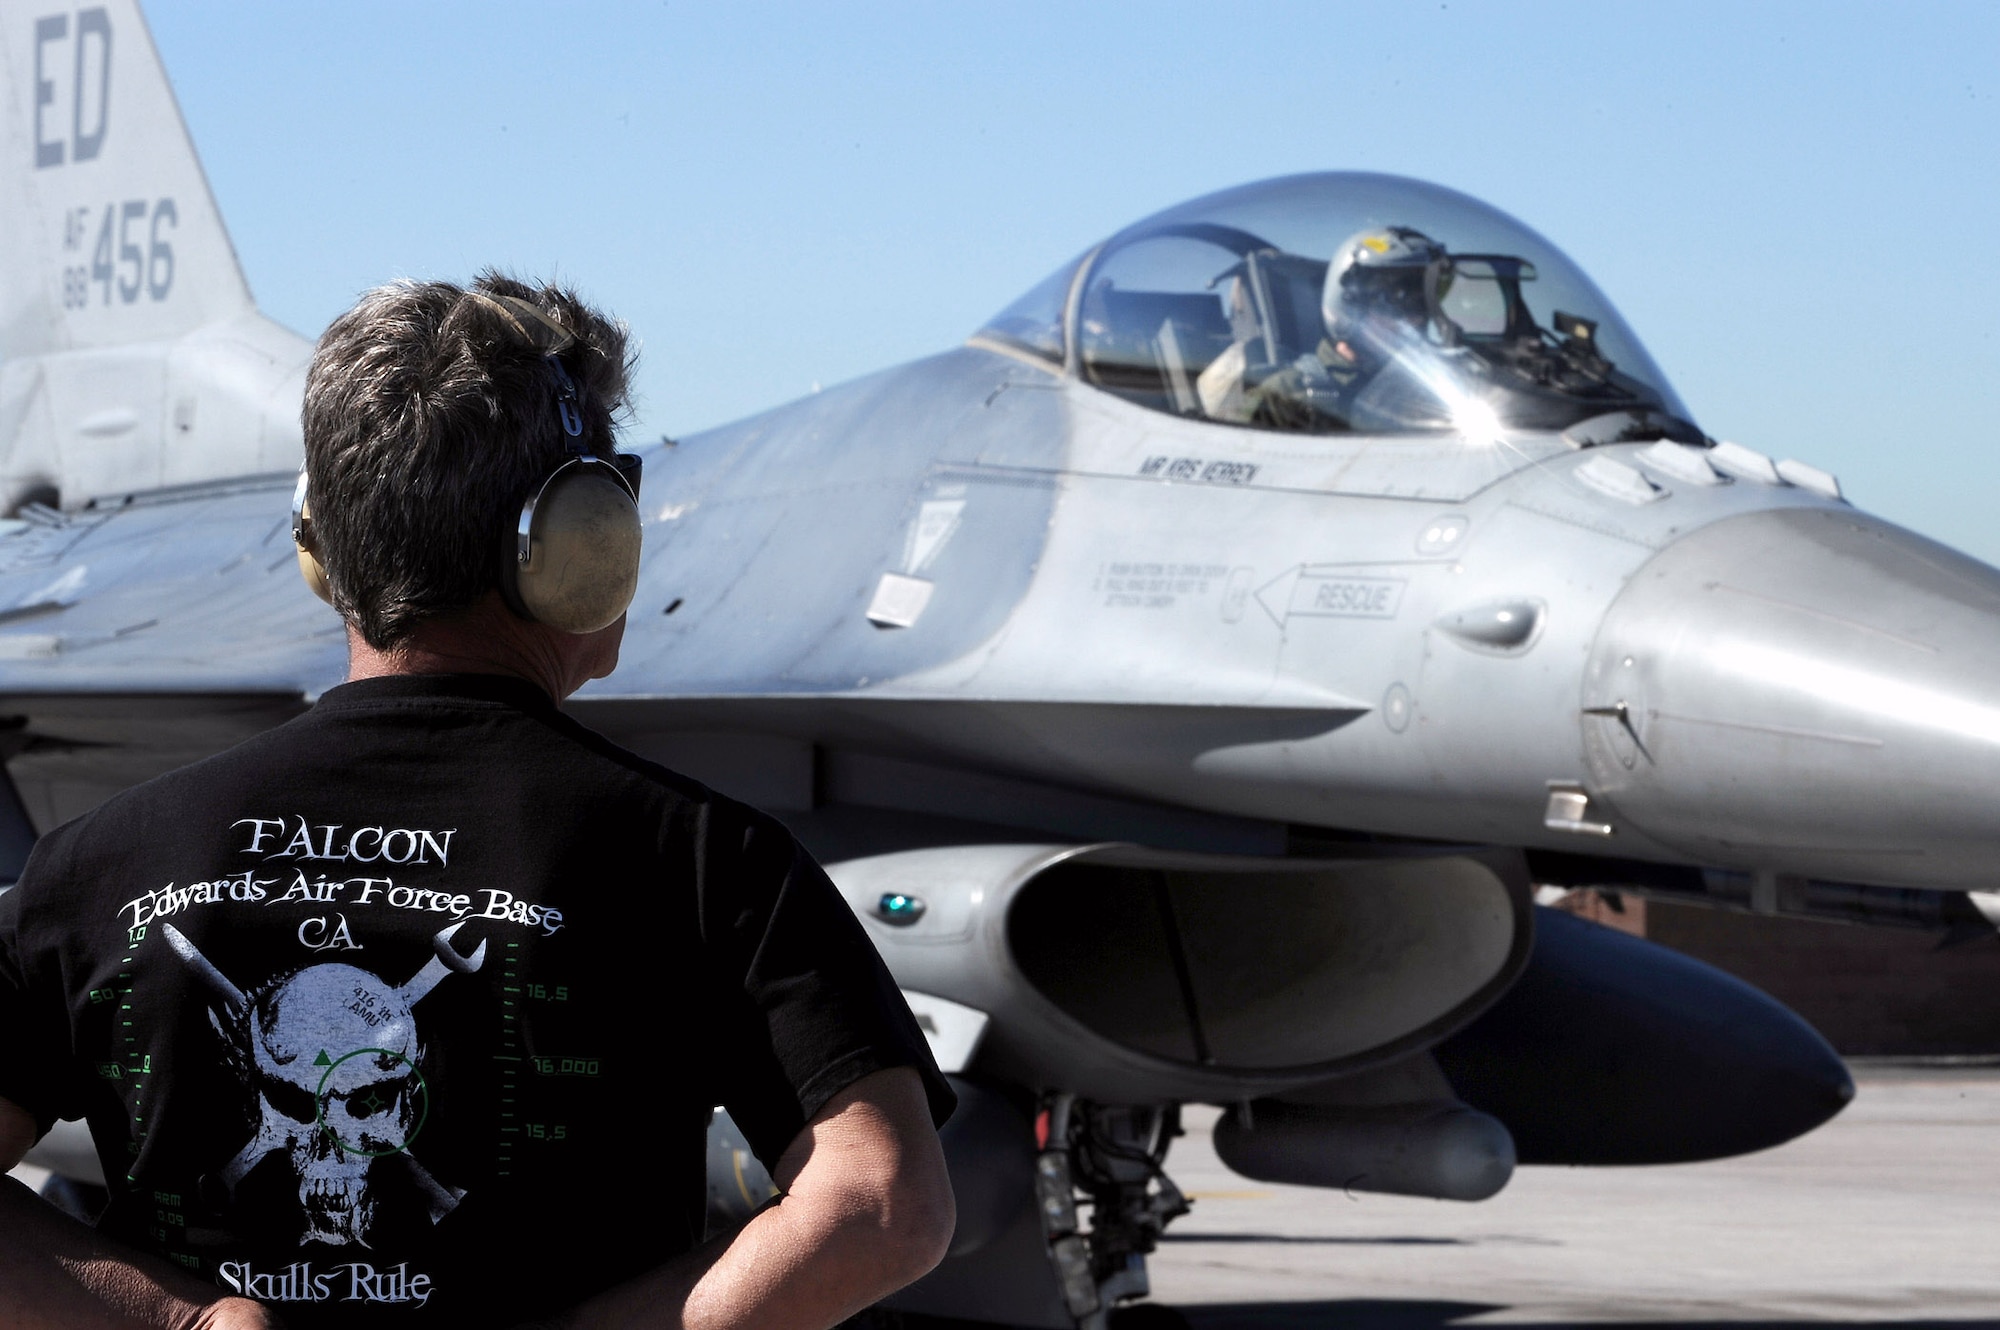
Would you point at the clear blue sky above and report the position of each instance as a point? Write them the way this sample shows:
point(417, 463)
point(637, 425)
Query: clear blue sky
point(1794, 204)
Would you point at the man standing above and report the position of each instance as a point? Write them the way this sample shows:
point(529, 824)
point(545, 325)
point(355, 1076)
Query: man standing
point(412, 1011)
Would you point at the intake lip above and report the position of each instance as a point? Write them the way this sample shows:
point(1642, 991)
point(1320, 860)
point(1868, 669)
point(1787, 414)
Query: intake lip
point(1808, 691)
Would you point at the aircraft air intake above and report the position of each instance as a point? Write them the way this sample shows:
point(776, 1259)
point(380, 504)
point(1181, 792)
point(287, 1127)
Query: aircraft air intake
point(1110, 967)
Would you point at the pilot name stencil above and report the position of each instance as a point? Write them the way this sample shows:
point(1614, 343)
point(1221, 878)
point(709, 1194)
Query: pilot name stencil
point(1330, 593)
point(1163, 467)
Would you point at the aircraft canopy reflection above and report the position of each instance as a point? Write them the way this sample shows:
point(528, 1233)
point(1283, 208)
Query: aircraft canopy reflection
point(1347, 302)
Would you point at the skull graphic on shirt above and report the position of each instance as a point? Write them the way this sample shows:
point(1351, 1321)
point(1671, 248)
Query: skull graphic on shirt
point(334, 1058)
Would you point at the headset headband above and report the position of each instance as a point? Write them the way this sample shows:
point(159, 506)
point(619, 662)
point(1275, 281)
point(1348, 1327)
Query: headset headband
point(544, 332)
point(547, 335)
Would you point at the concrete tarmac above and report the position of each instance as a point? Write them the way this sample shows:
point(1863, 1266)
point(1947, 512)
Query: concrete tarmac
point(1889, 1214)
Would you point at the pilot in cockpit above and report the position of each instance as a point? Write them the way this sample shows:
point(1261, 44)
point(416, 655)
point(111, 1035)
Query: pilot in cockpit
point(1382, 288)
point(1373, 304)
point(1374, 295)
point(1468, 327)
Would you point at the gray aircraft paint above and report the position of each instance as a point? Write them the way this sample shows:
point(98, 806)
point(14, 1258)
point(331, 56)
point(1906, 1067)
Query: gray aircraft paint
point(1108, 598)
point(774, 534)
point(1230, 647)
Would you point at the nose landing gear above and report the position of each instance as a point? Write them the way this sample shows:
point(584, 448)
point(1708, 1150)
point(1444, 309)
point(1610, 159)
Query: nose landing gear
point(1110, 1158)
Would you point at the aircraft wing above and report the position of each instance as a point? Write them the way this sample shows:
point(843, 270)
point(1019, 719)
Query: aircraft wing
point(137, 636)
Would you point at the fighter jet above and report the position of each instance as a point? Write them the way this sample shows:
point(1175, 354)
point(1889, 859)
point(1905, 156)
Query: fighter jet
point(1190, 679)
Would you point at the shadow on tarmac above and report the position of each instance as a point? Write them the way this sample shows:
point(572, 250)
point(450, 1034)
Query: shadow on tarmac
point(1413, 1314)
point(1401, 1314)
point(1315, 1240)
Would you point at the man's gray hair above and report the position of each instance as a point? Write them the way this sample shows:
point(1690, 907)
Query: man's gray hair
point(429, 418)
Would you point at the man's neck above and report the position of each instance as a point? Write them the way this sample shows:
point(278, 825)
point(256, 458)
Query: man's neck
point(486, 638)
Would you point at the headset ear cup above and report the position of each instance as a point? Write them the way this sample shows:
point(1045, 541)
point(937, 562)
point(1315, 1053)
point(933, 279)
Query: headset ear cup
point(310, 567)
point(583, 564)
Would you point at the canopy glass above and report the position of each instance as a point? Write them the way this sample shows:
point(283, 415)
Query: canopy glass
point(1348, 302)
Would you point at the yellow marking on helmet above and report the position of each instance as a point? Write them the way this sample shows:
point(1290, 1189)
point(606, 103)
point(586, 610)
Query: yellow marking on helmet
point(1378, 243)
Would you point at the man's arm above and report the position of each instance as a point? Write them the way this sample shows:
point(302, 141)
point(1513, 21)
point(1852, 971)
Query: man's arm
point(57, 1274)
point(865, 1207)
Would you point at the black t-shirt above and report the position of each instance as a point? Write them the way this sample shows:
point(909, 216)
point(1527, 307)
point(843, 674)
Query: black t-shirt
point(412, 1011)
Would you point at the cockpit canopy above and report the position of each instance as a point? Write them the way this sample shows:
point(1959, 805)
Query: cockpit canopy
point(1340, 302)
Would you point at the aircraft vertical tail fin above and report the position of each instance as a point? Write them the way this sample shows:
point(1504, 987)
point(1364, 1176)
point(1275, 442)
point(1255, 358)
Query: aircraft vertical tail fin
point(110, 232)
point(131, 353)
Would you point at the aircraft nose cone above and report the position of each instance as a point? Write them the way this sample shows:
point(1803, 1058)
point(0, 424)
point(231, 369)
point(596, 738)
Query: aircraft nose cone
point(1809, 691)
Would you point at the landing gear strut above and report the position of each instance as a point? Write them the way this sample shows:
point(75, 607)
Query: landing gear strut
point(1109, 1158)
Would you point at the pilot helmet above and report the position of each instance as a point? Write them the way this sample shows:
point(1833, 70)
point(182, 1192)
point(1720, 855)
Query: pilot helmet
point(1375, 272)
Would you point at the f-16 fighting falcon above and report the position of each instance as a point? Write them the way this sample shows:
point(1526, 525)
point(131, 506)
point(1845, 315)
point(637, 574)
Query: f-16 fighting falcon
point(1189, 680)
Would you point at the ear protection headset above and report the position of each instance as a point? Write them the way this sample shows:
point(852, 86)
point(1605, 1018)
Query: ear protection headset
point(572, 559)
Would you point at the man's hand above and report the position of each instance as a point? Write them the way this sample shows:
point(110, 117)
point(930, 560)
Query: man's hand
point(865, 1208)
point(235, 1314)
point(56, 1273)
